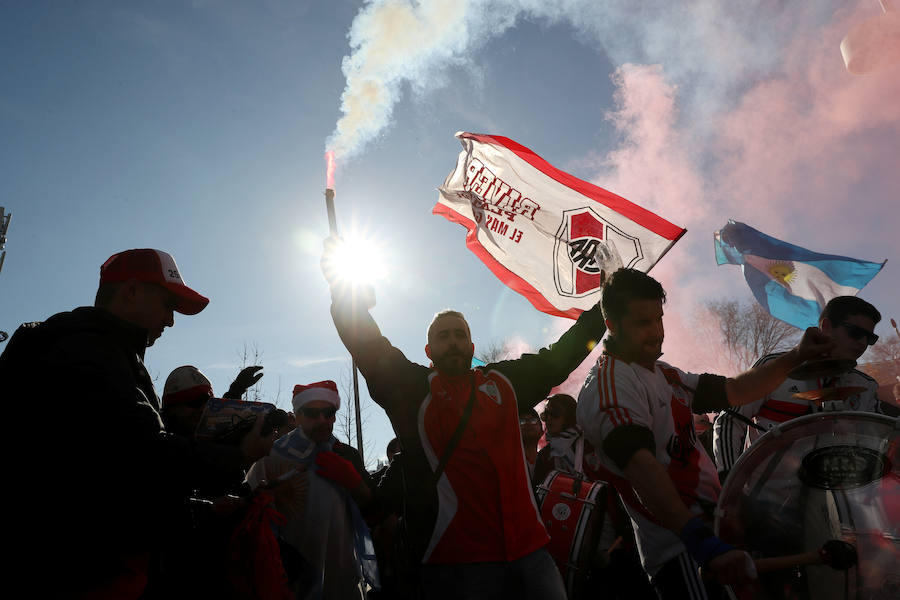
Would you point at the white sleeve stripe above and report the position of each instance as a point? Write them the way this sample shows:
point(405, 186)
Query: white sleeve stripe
point(618, 415)
point(691, 576)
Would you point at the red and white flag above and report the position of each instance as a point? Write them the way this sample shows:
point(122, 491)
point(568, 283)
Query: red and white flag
point(546, 234)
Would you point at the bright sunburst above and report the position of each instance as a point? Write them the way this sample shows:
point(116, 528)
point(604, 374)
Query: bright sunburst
point(359, 259)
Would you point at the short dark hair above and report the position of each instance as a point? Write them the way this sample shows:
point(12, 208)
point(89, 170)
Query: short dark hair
point(626, 285)
point(447, 313)
point(841, 307)
point(105, 294)
point(394, 443)
point(568, 405)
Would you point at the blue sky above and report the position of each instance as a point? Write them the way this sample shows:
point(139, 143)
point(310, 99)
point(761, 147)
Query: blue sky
point(199, 128)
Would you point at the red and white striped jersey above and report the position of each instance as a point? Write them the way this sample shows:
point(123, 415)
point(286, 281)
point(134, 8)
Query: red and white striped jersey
point(617, 393)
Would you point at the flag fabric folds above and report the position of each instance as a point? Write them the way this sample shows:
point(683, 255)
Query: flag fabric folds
point(790, 282)
point(544, 233)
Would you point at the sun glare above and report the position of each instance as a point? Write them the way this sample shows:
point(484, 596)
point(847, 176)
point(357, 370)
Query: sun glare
point(359, 259)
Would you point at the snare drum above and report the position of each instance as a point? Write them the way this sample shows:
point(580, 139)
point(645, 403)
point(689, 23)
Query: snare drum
point(819, 477)
point(574, 513)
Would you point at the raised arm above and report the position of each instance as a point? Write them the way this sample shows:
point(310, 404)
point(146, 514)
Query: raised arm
point(536, 374)
point(760, 380)
point(350, 304)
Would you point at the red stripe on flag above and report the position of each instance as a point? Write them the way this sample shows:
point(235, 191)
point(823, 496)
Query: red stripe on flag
point(508, 278)
point(639, 215)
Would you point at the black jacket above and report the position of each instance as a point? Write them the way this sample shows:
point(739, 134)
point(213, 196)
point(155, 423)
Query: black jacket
point(104, 476)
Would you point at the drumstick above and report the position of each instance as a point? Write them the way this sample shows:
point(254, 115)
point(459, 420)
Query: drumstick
point(837, 554)
point(777, 563)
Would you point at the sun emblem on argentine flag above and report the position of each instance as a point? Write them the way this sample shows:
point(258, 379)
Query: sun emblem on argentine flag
point(782, 271)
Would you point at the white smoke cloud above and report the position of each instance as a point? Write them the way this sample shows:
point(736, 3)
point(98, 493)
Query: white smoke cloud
point(397, 42)
point(708, 48)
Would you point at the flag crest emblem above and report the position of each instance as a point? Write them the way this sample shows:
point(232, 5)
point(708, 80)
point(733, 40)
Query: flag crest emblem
point(588, 249)
point(543, 232)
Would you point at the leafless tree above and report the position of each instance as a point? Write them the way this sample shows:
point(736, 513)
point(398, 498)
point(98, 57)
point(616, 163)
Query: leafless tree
point(747, 332)
point(345, 420)
point(250, 355)
point(882, 361)
point(885, 350)
point(493, 352)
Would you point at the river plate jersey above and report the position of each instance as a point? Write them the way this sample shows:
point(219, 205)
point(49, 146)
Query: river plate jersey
point(617, 393)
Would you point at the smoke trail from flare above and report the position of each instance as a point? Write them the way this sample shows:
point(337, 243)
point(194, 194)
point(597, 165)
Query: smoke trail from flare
point(392, 41)
point(706, 47)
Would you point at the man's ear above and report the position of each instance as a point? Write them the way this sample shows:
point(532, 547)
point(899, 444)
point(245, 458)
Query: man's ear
point(428, 350)
point(826, 326)
point(130, 290)
point(472, 349)
point(610, 326)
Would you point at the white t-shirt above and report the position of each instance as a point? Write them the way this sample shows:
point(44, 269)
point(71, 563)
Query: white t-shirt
point(617, 393)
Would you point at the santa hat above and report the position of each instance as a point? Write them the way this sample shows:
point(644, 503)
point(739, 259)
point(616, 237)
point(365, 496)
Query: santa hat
point(324, 391)
point(185, 384)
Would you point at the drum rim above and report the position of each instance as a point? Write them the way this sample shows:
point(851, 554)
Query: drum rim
point(750, 455)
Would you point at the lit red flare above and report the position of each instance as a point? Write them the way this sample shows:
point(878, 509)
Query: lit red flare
point(330, 164)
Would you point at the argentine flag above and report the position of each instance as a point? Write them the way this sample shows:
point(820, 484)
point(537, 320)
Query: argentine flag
point(791, 282)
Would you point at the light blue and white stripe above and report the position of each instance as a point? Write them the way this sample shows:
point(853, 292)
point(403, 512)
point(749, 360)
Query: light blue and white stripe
point(790, 282)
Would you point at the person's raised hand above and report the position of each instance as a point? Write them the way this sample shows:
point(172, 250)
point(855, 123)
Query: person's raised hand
point(814, 344)
point(244, 381)
point(360, 293)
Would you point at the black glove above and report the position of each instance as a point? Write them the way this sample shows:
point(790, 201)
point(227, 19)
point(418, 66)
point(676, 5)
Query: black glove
point(244, 381)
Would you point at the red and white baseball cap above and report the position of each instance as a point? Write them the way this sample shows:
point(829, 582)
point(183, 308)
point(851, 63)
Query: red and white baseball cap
point(184, 384)
point(153, 266)
point(325, 391)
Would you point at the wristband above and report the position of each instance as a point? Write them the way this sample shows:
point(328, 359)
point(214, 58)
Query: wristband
point(701, 543)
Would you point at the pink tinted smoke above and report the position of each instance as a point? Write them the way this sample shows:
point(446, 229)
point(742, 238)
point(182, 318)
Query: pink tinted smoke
point(806, 152)
point(801, 146)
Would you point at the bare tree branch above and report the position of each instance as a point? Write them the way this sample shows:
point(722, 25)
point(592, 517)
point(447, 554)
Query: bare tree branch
point(495, 351)
point(250, 355)
point(747, 332)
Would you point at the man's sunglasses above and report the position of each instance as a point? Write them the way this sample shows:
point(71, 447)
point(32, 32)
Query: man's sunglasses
point(528, 419)
point(857, 332)
point(313, 413)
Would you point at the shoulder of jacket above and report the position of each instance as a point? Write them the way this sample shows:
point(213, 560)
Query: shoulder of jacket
point(864, 375)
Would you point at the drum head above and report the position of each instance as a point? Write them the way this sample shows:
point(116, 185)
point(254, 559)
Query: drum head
point(815, 478)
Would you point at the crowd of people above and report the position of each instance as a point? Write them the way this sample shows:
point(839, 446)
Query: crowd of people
point(126, 500)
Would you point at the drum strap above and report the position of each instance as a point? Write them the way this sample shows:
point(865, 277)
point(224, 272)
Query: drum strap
point(454, 441)
point(734, 413)
point(579, 454)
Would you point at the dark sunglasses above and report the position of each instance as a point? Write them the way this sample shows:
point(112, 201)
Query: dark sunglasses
point(313, 413)
point(528, 419)
point(857, 332)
